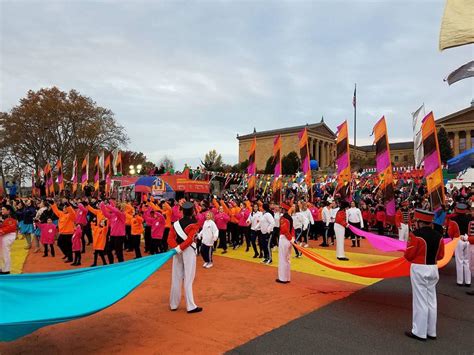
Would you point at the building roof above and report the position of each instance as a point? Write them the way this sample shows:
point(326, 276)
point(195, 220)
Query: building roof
point(454, 114)
point(310, 127)
point(393, 146)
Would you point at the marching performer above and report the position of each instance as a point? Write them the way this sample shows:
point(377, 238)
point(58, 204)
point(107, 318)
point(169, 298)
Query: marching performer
point(340, 225)
point(7, 237)
point(425, 247)
point(181, 238)
point(462, 254)
point(287, 236)
point(402, 221)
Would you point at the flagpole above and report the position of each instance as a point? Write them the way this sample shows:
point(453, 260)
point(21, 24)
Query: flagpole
point(355, 114)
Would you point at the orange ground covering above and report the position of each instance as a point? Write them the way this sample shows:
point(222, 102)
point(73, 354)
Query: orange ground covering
point(241, 301)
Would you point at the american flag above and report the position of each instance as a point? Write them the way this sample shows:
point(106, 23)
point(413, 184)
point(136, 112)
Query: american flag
point(354, 99)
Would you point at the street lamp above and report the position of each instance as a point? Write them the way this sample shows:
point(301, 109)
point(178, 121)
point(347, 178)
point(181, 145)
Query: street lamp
point(131, 170)
point(139, 168)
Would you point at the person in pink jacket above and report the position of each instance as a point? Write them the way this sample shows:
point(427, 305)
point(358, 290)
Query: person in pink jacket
point(48, 232)
point(116, 218)
point(77, 245)
point(221, 218)
point(157, 222)
point(244, 229)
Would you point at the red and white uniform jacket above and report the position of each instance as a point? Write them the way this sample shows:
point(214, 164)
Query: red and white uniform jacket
point(425, 247)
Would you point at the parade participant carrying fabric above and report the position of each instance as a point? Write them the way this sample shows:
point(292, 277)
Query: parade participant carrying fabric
point(181, 238)
point(425, 247)
point(299, 222)
point(7, 237)
point(463, 255)
point(66, 229)
point(287, 236)
point(354, 217)
point(267, 224)
point(340, 225)
point(309, 217)
point(402, 221)
point(208, 236)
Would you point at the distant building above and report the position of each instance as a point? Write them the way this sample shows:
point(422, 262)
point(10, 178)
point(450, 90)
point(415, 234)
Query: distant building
point(459, 126)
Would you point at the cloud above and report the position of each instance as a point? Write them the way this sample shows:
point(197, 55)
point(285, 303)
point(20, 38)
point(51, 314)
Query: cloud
point(184, 78)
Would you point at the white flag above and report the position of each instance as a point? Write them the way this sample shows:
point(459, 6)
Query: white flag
point(115, 157)
point(101, 164)
point(417, 136)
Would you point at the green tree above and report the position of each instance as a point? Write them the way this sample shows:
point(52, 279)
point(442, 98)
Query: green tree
point(444, 147)
point(240, 167)
point(212, 161)
point(290, 163)
point(167, 164)
point(50, 124)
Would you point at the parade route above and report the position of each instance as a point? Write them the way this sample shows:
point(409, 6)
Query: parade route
point(372, 321)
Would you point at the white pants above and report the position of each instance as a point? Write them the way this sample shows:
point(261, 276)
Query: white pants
point(462, 256)
point(403, 232)
point(340, 232)
point(6, 242)
point(423, 283)
point(284, 252)
point(471, 249)
point(184, 269)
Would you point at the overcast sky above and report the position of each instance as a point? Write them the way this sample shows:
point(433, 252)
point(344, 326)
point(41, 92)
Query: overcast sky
point(186, 77)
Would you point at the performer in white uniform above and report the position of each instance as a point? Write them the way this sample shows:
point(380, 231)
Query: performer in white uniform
point(462, 254)
point(340, 224)
point(425, 247)
point(181, 238)
point(7, 237)
point(287, 236)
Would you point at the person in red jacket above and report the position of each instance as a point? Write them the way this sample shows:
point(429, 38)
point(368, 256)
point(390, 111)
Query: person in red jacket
point(181, 238)
point(7, 237)
point(425, 247)
point(380, 219)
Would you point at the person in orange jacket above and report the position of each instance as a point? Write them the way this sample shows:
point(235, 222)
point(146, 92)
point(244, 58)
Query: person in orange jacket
point(137, 231)
point(99, 240)
point(67, 216)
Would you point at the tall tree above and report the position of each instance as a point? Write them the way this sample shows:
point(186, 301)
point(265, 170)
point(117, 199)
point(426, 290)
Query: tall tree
point(212, 161)
point(290, 163)
point(444, 147)
point(50, 124)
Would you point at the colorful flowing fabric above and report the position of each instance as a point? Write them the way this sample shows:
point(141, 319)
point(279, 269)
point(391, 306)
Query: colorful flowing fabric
point(108, 176)
point(343, 161)
point(398, 267)
point(433, 170)
point(384, 243)
point(32, 301)
point(384, 166)
point(252, 169)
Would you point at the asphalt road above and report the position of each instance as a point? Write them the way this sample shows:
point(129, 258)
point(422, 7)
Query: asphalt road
point(373, 321)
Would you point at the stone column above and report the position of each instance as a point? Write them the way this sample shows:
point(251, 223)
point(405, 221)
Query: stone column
point(316, 155)
point(468, 139)
point(322, 154)
point(456, 143)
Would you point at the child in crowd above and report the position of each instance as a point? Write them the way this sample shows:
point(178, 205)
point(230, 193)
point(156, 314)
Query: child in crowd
point(47, 234)
point(208, 235)
point(77, 245)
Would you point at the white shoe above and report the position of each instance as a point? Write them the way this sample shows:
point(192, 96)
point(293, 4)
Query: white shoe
point(205, 264)
point(208, 266)
point(306, 246)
